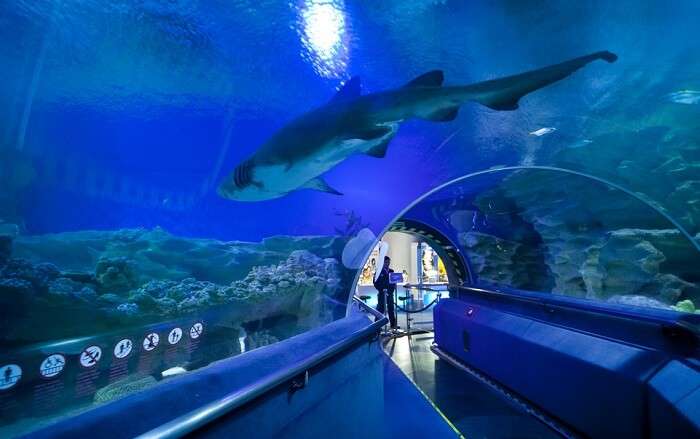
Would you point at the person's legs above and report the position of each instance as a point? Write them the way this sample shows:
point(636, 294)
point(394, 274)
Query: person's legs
point(391, 309)
point(380, 301)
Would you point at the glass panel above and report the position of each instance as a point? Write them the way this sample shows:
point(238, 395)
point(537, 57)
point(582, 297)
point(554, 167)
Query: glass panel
point(563, 233)
point(125, 125)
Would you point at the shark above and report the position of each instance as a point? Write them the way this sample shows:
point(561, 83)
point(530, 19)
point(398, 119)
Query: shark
point(296, 156)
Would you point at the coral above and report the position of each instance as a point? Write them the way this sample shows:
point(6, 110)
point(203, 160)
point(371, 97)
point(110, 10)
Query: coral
point(118, 291)
point(115, 274)
point(38, 275)
point(685, 306)
point(72, 290)
point(156, 254)
point(126, 386)
point(128, 309)
point(637, 300)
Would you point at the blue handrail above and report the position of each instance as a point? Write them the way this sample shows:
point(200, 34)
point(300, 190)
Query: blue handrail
point(204, 415)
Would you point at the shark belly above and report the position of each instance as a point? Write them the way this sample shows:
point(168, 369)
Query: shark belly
point(280, 179)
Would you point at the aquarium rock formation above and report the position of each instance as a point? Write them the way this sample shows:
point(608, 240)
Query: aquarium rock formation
point(127, 278)
point(123, 387)
point(575, 237)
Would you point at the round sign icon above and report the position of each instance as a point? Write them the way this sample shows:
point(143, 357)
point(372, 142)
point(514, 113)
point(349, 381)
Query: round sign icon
point(151, 341)
point(196, 330)
point(9, 376)
point(175, 336)
point(90, 356)
point(52, 365)
point(123, 348)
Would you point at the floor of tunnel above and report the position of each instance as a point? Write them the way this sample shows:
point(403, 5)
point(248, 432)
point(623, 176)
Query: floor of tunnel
point(470, 406)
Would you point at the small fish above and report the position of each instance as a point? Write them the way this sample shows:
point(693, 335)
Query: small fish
point(580, 143)
point(542, 131)
point(297, 155)
point(688, 97)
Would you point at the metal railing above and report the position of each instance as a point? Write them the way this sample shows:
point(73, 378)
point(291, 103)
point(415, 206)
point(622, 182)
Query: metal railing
point(428, 286)
point(682, 321)
point(189, 422)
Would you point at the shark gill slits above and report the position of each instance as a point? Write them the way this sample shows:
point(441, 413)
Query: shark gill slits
point(236, 176)
point(242, 175)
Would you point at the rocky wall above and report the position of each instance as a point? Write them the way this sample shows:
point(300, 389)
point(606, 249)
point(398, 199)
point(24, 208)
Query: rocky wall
point(597, 243)
point(126, 278)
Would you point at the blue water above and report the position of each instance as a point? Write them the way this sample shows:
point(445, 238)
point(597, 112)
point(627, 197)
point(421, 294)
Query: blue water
point(174, 87)
point(129, 114)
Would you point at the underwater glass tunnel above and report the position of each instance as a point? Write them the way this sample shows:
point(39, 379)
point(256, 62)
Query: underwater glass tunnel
point(190, 189)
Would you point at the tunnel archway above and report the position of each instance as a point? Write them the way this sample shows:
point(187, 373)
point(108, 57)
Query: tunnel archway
point(456, 266)
point(449, 217)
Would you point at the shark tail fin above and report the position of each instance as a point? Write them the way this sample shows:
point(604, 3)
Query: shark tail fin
point(503, 94)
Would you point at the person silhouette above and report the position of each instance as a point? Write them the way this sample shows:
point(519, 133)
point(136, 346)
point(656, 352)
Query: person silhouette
point(385, 292)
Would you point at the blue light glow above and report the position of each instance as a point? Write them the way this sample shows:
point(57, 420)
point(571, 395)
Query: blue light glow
point(323, 33)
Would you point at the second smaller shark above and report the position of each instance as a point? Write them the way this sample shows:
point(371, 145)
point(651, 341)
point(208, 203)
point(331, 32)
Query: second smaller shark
point(297, 155)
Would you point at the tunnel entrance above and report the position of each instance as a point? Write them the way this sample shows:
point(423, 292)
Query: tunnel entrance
point(429, 265)
point(413, 257)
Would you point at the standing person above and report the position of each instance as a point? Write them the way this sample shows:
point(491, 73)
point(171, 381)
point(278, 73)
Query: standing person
point(386, 288)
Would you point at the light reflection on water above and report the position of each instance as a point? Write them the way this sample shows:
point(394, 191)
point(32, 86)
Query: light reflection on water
point(323, 32)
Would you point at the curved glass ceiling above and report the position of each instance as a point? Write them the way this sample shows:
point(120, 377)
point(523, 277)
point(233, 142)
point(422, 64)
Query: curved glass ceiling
point(557, 231)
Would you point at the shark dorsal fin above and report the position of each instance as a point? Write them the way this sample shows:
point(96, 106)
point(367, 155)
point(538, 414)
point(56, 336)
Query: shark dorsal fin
point(432, 78)
point(350, 90)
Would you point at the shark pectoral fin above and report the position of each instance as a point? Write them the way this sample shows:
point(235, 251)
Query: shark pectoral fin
point(379, 150)
point(433, 78)
point(442, 115)
point(350, 90)
point(503, 94)
point(319, 184)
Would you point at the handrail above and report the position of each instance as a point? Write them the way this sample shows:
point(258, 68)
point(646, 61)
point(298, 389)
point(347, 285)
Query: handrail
point(197, 418)
point(426, 287)
point(371, 310)
point(653, 315)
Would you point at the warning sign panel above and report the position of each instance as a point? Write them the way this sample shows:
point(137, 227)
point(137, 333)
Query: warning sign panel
point(175, 336)
point(151, 341)
point(52, 365)
point(90, 356)
point(9, 376)
point(196, 330)
point(123, 348)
